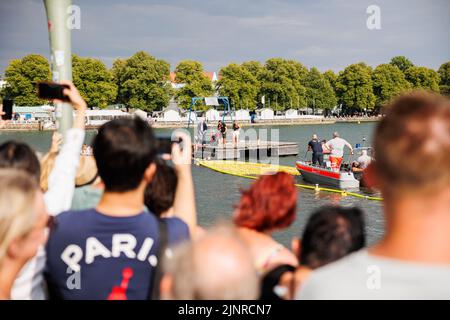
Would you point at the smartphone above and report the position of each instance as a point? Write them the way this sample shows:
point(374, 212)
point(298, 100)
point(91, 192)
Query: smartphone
point(51, 90)
point(7, 108)
point(165, 144)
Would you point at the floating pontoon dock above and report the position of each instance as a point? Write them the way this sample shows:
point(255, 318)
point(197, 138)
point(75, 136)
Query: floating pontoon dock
point(247, 150)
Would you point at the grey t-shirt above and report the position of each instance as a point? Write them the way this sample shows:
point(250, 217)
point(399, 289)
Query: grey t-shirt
point(365, 276)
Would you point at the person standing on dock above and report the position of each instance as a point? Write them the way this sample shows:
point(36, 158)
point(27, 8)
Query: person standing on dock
point(202, 127)
point(236, 131)
point(317, 152)
point(336, 146)
point(222, 127)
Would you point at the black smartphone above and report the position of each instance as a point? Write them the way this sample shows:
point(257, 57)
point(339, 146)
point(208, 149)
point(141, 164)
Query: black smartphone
point(7, 109)
point(51, 90)
point(165, 144)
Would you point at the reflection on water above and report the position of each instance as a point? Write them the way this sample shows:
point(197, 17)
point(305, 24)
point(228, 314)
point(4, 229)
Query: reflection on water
point(216, 193)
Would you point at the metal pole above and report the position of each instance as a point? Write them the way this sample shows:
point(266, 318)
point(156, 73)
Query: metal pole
point(58, 12)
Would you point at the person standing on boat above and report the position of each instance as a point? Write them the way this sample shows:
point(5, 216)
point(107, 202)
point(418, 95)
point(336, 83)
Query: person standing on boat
point(336, 146)
point(317, 152)
point(364, 160)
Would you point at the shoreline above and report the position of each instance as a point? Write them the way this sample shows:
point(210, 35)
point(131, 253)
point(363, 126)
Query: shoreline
point(36, 126)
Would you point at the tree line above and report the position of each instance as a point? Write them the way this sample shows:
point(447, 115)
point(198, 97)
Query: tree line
point(143, 81)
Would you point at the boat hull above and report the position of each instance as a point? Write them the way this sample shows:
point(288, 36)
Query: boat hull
point(324, 176)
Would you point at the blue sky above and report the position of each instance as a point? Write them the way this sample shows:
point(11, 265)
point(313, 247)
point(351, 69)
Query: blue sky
point(327, 34)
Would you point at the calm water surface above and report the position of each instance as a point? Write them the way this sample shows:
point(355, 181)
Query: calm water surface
point(216, 193)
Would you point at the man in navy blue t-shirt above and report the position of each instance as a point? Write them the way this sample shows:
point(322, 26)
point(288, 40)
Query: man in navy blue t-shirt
point(317, 152)
point(110, 252)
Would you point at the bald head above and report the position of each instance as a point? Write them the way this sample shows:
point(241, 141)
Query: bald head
point(412, 144)
point(335, 134)
point(217, 266)
point(314, 136)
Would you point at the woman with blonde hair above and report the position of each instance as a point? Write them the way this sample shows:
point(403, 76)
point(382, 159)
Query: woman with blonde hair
point(23, 219)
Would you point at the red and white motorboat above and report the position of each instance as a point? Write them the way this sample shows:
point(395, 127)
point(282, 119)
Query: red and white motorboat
point(327, 176)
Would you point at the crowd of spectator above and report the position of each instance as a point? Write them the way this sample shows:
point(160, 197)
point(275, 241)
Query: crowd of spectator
point(120, 221)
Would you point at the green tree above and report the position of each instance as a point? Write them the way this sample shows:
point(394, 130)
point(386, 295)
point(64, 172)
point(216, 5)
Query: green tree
point(94, 81)
point(354, 87)
point(319, 92)
point(117, 70)
point(444, 74)
point(22, 76)
point(196, 84)
point(331, 77)
point(388, 82)
point(402, 63)
point(254, 67)
point(240, 85)
point(282, 83)
point(423, 78)
point(143, 82)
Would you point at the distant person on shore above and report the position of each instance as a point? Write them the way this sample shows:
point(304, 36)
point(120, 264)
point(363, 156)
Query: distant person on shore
point(236, 132)
point(217, 266)
point(412, 260)
point(330, 234)
point(336, 147)
point(115, 239)
point(23, 220)
point(61, 185)
point(315, 146)
point(269, 205)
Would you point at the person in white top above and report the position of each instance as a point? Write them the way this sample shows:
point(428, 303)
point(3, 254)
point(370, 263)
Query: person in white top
point(336, 147)
point(61, 185)
point(412, 260)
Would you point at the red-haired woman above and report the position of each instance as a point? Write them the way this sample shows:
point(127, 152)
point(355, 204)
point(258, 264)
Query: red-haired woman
point(269, 205)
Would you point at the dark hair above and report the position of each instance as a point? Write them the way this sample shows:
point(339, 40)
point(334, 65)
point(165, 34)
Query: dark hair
point(19, 155)
point(160, 193)
point(330, 234)
point(123, 149)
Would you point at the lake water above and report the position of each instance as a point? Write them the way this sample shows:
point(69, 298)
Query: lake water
point(216, 193)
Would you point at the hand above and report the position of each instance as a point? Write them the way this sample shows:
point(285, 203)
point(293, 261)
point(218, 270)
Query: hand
point(56, 141)
point(351, 152)
point(74, 96)
point(182, 158)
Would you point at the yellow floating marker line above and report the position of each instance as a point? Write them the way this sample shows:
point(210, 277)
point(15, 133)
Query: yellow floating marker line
point(210, 165)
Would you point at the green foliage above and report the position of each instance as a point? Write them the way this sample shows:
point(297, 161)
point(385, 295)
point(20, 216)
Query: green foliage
point(402, 63)
point(117, 70)
point(240, 85)
point(196, 84)
point(388, 82)
point(281, 84)
point(423, 78)
point(331, 77)
point(22, 76)
point(254, 67)
point(94, 81)
point(444, 74)
point(143, 82)
point(319, 92)
point(354, 87)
